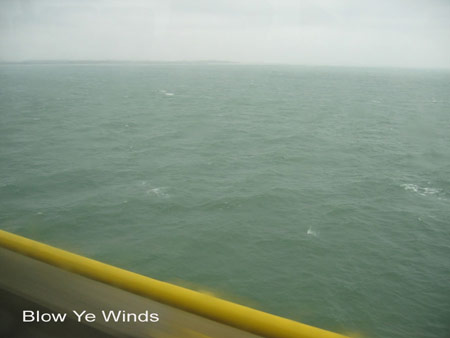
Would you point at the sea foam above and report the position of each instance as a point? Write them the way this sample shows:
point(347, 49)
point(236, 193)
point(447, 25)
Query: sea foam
point(423, 191)
point(311, 232)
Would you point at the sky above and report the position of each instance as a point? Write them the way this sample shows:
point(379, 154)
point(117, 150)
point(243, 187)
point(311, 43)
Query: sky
point(393, 33)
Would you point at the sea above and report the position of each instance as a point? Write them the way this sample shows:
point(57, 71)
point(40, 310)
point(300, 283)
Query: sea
point(320, 194)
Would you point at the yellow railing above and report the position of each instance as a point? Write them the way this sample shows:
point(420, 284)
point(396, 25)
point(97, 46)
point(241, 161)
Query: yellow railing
point(216, 309)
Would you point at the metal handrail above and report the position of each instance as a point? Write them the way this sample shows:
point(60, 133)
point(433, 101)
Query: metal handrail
point(222, 311)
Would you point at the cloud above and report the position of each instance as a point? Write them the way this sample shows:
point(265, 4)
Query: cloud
point(347, 32)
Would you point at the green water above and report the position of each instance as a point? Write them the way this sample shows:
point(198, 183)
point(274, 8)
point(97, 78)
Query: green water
point(318, 194)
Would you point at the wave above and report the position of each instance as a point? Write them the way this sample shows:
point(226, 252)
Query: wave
point(159, 192)
point(311, 232)
point(165, 92)
point(423, 191)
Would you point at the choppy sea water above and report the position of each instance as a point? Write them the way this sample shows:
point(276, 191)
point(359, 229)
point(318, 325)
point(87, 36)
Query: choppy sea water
point(318, 194)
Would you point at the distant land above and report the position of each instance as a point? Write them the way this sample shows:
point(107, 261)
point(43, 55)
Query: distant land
point(116, 61)
point(207, 62)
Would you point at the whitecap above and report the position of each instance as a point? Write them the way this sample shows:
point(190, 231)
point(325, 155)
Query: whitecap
point(165, 92)
point(430, 191)
point(423, 191)
point(158, 192)
point(311, 232)
point(410, 187)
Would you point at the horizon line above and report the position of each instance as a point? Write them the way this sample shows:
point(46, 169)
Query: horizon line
point(209, 61)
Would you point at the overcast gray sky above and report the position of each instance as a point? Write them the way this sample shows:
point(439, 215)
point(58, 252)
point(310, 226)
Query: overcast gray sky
point(409, 33)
